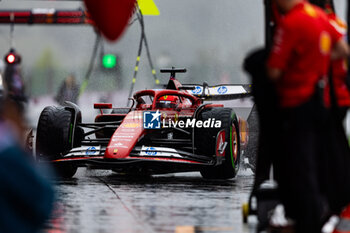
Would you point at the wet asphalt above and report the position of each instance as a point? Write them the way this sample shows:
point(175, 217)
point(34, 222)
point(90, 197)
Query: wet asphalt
point(104, 202)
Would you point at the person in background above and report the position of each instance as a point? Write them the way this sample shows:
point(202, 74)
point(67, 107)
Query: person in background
point(303, 45)
point(69, 91)
point(339, 105)
point(339, 70)
point(26, 196)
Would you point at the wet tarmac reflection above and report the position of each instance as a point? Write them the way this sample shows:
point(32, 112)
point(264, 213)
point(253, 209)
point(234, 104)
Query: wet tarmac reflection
point(104, 202)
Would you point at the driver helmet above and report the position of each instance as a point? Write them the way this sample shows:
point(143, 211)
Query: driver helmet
point(168, 101)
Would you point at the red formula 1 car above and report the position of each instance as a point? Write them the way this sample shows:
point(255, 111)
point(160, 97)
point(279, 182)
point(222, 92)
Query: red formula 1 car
point(164, 131)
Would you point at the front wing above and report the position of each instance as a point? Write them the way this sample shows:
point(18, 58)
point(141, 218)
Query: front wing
point(153, 160)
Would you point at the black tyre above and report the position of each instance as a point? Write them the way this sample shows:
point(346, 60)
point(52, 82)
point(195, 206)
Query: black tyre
point(54, 137)
point(65, 170)
point(206, 139)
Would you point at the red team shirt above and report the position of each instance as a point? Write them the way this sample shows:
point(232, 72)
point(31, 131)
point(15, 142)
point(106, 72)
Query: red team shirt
point(339, 69)
point(302, 47)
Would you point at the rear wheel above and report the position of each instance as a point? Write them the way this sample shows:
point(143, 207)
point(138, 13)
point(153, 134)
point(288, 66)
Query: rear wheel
point(54, 138)
point(207, 143)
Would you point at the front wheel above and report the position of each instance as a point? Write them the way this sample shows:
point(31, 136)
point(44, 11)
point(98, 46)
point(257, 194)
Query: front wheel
point(54, 137)
point(65, 170)
point(208, 142)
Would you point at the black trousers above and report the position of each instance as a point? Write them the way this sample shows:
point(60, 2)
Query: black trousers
point(342, 112)
point(266, 101)
point(336, 166)
point(299, 164)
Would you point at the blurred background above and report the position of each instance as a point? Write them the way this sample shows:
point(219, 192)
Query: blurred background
point(209, 38)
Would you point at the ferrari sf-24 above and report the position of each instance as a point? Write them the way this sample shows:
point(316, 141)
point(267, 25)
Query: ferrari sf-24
point(167, 130)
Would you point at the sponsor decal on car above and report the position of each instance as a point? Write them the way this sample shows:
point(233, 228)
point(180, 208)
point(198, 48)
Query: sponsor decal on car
point(125, 139)
point(151, 119)
point(221, 143)
point(134, 116)
point(127, 130)
point(222, 90)
point(219, 90)
point(91, 150)
point(151, 151)
point(159, 152)
point(124, 136)
point(120, 145)
point(131, 125)
point(197, 90)
point(84, 151)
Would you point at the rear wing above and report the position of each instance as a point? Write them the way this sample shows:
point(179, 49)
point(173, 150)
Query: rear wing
point(218, 92)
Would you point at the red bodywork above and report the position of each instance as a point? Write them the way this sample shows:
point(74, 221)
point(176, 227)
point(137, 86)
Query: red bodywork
point(129, 141)
point(131, 130)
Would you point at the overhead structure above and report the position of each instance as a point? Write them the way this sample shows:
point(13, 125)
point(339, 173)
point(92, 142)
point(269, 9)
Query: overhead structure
point(45, 16)
point(148, 7)
point(110, 18)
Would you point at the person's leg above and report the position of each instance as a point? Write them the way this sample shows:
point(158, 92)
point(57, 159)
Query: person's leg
point(335, 170)
point(342, 113)
point(296, 171)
